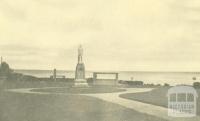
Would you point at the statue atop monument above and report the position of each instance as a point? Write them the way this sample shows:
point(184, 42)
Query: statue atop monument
point(80, 70)
point(80, 54)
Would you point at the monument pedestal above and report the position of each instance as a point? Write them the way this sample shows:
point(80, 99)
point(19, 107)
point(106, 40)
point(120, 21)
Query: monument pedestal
point(80, 83)
point(80, 80)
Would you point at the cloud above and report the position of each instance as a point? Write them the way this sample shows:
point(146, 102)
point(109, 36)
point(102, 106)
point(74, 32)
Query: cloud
point(116, 35)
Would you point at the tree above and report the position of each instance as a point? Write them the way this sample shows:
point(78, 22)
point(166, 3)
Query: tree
point(196, 84)
point(5, 69)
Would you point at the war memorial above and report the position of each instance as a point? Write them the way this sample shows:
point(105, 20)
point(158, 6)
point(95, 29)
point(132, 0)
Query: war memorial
point(80, 80)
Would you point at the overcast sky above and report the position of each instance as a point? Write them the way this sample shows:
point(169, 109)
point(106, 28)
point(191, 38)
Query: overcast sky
point(130, 35)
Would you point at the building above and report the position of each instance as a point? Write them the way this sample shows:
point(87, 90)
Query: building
point(182, 101)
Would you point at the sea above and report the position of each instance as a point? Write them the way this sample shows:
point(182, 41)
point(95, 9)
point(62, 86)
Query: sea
point(172, 78)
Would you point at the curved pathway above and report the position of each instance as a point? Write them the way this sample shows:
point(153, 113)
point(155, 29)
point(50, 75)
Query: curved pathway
point(141, 107)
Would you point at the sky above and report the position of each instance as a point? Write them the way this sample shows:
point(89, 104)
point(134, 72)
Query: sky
point(117, 35)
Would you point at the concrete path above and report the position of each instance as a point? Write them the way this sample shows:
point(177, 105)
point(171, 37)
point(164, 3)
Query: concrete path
point(146, 108)
point(149, 109)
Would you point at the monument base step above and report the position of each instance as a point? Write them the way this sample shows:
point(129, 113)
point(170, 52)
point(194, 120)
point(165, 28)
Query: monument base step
point(81, 83)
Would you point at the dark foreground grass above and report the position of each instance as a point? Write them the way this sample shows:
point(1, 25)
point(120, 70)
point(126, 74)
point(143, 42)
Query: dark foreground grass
point(157, 96)
point(81, 90)
point(33, 107)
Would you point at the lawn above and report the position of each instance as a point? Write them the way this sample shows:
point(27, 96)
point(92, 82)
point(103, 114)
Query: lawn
point(33, 107)
point(157, 96)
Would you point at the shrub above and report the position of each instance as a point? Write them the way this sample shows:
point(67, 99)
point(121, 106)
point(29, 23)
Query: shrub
point(166, 85)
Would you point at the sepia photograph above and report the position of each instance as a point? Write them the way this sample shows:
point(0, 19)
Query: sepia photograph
point(99, 60)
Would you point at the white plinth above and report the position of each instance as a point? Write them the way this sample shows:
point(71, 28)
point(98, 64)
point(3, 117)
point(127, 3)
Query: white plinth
point(81, 83)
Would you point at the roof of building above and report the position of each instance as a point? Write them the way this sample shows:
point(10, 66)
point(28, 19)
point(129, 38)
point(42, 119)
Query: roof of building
point(182, 89)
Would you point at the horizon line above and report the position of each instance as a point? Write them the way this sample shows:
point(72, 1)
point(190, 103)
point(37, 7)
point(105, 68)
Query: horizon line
point(111, 70)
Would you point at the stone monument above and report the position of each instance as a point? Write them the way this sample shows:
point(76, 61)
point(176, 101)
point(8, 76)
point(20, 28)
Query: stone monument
point(80, 80)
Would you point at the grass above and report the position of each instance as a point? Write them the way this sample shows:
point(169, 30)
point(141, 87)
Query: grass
point(33, 107)
point(82, 90)
point(157, 96)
